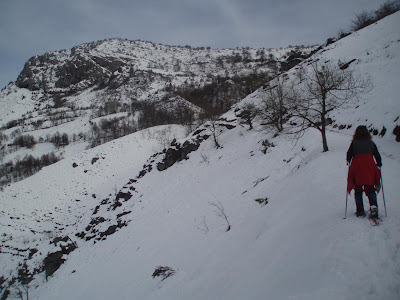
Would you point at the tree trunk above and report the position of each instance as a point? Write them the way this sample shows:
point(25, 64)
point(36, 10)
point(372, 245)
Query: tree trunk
point(323, 133)
point(324, 142)
point(323, 122)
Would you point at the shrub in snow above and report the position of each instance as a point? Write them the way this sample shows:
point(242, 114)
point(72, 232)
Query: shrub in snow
point(266, 145)
point(163, 272)
point(60, 140)
point(27, 141)
point(366, 18)
point(362, 20)
point(220, 212)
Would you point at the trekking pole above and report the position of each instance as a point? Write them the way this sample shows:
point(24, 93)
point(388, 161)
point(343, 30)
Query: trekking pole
point(347, 196)
point(383, 194)
point(345, 212)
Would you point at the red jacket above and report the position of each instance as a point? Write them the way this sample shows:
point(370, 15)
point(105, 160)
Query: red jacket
point(363, 169)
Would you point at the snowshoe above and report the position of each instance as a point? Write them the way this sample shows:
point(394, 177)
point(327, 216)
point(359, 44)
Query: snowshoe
point(374, 212)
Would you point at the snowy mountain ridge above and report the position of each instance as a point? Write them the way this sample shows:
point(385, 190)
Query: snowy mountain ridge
point(117, 57)
point(284, 201)
point(100, 91)
point(126, 70)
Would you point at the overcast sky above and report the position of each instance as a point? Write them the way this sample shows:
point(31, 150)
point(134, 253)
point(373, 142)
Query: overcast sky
point(33, 27)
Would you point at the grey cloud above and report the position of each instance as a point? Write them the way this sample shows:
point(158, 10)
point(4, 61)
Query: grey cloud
point(29, 27)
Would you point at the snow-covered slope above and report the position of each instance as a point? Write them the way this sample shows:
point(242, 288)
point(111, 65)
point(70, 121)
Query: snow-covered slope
point(58, 200)
point(295, 247)
point(284, 206)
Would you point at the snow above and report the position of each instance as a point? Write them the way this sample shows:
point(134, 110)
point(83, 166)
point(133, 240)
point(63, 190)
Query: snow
point(15, 103)
point(57, 198)
point(297, 246)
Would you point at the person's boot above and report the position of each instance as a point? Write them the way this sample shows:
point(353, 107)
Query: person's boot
point(360, 213)
point(373, 204)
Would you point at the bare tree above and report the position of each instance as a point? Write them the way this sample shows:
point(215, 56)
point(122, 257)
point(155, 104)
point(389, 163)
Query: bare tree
point(203, 226)
point(322, 89)
point(215, 132)
point(362, 20)
point(275, 97)
point(248, 113)
point(387, 8)
point(21, 291)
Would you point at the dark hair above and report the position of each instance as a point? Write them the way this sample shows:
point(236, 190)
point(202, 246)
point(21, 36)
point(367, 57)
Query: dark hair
point(362, 133)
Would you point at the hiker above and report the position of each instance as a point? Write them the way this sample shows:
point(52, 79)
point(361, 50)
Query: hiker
point(364, 173)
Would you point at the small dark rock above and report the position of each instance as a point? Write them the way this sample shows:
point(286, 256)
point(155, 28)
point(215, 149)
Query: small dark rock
point(383, 131)
point(396, 132)
point(123, 214)
point(262, 201)
point(32, 252)
point(346, 65)
point(126, 196)
point(96, 210)
point(111, 230)
point(52, 263)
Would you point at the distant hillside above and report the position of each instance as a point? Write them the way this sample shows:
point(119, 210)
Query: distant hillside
point(129, 71)
point(100, 91)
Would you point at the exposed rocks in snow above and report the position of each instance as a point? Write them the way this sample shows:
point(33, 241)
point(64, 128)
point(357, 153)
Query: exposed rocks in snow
point(53, 262)
point(177, 153)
